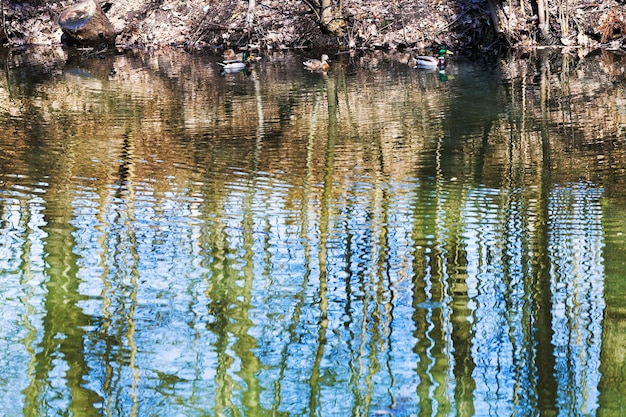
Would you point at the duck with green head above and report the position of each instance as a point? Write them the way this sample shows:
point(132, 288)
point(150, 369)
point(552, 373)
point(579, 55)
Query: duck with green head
point(439, 61)
point(234, 65)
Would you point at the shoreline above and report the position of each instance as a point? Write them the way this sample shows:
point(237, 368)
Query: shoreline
point(464, 27)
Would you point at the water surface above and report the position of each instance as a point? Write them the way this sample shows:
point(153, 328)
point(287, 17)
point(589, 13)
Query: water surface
point(378, 240)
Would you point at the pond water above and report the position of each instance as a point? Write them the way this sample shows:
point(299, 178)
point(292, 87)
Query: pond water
point(377, 240)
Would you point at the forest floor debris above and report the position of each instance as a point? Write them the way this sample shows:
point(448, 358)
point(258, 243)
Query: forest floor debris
point(472, 26)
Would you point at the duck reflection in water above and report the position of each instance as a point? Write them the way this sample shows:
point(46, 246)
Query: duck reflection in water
point(432, 63)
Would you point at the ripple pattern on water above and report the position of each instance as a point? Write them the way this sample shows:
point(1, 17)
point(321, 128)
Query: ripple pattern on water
point(576, 241)
point(377, 240)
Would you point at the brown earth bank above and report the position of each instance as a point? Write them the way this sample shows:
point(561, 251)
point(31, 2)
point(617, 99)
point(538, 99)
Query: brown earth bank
point(473, 27)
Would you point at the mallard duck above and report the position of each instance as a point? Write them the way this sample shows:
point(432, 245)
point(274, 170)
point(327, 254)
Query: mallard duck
point(234, 65)
point(229, 55)
point(438, 61)
point(318, 64)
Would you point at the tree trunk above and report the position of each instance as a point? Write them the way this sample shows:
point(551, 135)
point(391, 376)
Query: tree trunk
point(251, 7)
point(85, 24)
point(331, 18)
point(543, 13)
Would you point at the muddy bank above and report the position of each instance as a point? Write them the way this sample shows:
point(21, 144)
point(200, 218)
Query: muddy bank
point(471, 26)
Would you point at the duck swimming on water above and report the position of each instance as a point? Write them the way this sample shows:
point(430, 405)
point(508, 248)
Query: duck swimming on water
point(235, 65)
point(422, 61)
point(321, 64)
point(230, 55)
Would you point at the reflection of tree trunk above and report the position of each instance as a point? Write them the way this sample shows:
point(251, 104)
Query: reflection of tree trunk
point(431, 290)
point(461, 312)
point(127, 175)
point(612, 384)
point(314, 380)
point(300, 296)
point(64, 324)
point(461, 336)
point(245, 343)
point(260, 132)
point(542, 295)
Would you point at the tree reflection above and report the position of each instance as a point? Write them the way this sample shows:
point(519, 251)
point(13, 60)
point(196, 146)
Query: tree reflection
point(60, 366)
point(358, 243)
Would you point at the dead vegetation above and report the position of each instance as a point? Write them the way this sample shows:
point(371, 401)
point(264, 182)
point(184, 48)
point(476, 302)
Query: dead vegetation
point(474, 26)
point(613, 27)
